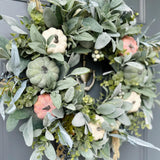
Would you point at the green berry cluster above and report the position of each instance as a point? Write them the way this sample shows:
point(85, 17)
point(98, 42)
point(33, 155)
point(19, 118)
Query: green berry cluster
point(37, 17)
point(28, 98)
point(88, 100)
point(97, 55)
point(137, 123)
point(114, 81)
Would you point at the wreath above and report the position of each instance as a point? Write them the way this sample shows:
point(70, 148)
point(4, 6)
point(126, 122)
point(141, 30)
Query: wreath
point(47, 83)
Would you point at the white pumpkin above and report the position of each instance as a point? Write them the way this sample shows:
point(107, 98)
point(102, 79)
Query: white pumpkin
point(60, 40)
point(135, 99)
point(96, 129)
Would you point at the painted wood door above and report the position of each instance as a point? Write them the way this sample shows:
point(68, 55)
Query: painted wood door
point(12, 145)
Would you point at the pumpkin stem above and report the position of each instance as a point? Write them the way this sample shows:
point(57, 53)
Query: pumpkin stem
point(47, 108)
point(131, 46)
point(45, 69)
point(56, 40)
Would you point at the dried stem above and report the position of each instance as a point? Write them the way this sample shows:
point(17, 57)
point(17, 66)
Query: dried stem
point(115, 146)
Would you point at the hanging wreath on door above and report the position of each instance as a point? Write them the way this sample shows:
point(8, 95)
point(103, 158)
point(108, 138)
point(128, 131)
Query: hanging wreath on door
point(47, 82)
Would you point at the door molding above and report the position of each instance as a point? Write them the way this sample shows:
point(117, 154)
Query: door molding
point(142, 12)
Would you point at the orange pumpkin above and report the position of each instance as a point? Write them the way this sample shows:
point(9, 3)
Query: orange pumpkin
point(43, 105)
point(129, 45)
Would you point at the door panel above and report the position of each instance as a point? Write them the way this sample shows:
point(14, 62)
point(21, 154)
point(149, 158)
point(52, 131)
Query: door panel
point(12, 145)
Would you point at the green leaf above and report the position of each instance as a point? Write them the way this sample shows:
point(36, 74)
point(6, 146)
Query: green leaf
point(50, 152)
point(22, 113)
point(74, 60)
point(4, 54)
point(120, 45)
point(13, 24)
point(66, 137)
point(13, 64)
point(57, 56)
point(71, 107)
point(105, 152)
point(148, 102)
point(140, 142)
point(69, 95)
point(38, 47)
point(102, 40)
point(133, 30)
point(109, 25)
point(116, 91)
point(56, 99)
point(73, 24)
point(67, 83)
point(36, 36)
point(80, 71)
point(115, 3)
point(118, 59)
point(146, 92)
point(11, 123)
point(85, 36)
point(78, 120)
point(135, 65)
point(58, 2)
point(28, 132)
point(50, 39)
point(106, 108)
point(64, 70)
point(88, 154)
point(92, 24)
point(50, 18)
point(110, 106)
point(2, 108)
point(70, 4)
point(118, 112)
point(3, 51)
point(36, 155)
point(37, 132)
point(148, 117)
point(19, 92)
point(18, 30)
point(127, 106)
point(80, 50)
point(59, 113)
point(49, 136)
point(124, 120)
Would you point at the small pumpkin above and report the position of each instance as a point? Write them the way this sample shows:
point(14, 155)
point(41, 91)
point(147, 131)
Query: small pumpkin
point(43, 72)
point(96, 129)
point(59, 40)
point(43, 105)
point(135, 99)
point(129, 45)
point(134, 75)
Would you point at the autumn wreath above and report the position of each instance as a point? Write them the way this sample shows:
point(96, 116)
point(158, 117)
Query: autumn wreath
point(46, 81)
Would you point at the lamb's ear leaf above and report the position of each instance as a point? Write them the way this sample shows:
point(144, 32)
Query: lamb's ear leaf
point(11, 123)
point(65, 137)
point(13, 64)
point(78, 120)
point(27, 130)
point(3, 50)
point(13, 24)
point(57, 99)
point(50, 18)
point(50, 152)
point(36, 35)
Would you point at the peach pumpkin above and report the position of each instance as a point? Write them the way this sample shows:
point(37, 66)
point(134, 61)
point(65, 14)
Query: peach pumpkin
point(43, 105)
point(129, 45)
